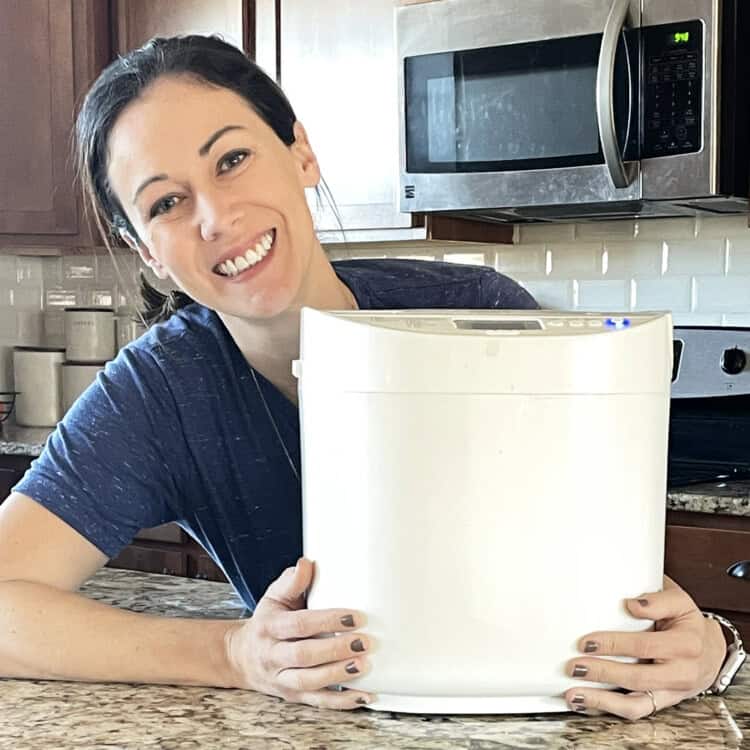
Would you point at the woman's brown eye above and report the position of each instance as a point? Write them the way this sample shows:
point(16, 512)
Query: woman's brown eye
point(162, 206)
point(233, 159)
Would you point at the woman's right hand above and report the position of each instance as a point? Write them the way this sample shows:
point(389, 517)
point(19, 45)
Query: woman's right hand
point(277, 651)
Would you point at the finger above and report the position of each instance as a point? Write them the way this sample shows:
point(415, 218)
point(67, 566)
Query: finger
point(316, 678)
point(312, 652)
point(630, 706)
point(672, 603)
point(307, 623)
point(680, 642)
point(287, 592)
point(675, 675)
point(339, 700)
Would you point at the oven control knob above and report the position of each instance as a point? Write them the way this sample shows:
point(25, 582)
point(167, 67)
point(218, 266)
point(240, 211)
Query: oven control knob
point(733, 361)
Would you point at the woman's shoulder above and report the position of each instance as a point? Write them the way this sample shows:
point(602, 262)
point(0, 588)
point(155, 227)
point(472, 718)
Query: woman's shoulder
point(410, 283)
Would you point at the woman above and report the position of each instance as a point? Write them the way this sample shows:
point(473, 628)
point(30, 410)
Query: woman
point(195, 158)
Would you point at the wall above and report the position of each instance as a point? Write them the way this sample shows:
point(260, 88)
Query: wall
point(697, 268)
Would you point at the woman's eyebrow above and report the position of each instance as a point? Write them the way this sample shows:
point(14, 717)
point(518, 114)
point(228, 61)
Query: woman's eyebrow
point(202, 151)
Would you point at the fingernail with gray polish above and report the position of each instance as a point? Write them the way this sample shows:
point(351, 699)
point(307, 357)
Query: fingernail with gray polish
point(351, 668)
point(580, 671)
point(590, 647)
point(578, 699)
point(643, 602)
point(347, 621)
point(357, 645)
point(361, 701)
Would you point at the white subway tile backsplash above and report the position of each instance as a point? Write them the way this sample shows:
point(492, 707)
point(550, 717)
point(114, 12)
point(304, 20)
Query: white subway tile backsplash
point(635, 258)
point(536, 233)
point(28, 297)
point(605, 230)
point(736, 319)
point(560, 294)
point(530, 259)
point(696, 256)
point(609, 296)
point(78, 267)
point(696, 319)
point(723, 294)
point(576, 259)
point(29, 270)
point(738, 254)
point(665, 229)
point(673, 293)
point(469, 259)
point(712, 227)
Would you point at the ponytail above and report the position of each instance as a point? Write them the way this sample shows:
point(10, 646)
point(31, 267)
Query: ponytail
point(157, 306)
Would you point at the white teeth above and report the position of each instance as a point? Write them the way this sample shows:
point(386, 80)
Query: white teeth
point(250, 258)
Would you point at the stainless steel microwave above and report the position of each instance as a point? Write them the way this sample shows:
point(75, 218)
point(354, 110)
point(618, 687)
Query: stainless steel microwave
point(515, 110)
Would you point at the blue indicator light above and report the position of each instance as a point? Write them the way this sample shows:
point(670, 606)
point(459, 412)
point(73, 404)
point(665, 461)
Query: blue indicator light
point(617, 323)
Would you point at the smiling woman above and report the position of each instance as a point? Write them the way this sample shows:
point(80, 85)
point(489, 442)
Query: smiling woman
point(194, 156)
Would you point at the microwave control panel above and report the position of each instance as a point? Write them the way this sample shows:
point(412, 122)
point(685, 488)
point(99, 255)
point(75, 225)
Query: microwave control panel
point(673, 87)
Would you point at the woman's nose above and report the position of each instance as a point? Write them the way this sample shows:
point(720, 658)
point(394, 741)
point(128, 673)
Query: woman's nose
point(217, 214)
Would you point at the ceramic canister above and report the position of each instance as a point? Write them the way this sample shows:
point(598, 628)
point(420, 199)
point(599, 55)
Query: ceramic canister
point(76, 378)
point(89, 334)
point(37, 376)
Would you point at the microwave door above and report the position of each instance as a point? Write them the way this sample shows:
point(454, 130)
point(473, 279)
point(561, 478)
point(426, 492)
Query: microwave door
point(516, 124)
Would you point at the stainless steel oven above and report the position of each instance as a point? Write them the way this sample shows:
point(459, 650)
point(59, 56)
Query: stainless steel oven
point(530, 109)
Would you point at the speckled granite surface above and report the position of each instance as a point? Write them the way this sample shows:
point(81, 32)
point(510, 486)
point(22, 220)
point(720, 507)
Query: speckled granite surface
point(22, 441)
point(45, 714)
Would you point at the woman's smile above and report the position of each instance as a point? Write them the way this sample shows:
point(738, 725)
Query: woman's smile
point(249, 262)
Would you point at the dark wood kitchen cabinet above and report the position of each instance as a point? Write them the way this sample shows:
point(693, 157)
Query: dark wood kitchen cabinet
point(699, 549)
point(12, 469)
point(50, 51)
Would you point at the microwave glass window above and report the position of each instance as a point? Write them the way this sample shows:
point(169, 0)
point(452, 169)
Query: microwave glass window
point(464, 120)
point(522, 106)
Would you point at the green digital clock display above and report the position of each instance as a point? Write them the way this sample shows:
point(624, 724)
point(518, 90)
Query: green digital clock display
point(680, 37)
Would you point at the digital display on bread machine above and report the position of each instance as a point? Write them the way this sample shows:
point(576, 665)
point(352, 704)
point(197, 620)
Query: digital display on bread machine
point(499, 325)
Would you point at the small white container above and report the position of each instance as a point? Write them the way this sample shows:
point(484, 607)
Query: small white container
point(38, 379)
point(127, 327)
point(76, 378)
point(89, 334)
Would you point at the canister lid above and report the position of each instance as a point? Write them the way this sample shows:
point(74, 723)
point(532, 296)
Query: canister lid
point(89, 309)
point(38, 349)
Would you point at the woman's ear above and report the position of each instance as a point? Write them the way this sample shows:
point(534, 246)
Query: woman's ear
point(307, 162)
point(143, 251)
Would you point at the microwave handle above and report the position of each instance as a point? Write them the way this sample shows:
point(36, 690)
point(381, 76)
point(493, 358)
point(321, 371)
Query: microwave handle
point(605, 84)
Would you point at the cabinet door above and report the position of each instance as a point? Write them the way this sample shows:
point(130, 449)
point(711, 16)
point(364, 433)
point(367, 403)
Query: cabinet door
point(139, 20)
point(338, 68)
point(12, 469)
point(36, 77)
point(50, 52)
point(152, 558)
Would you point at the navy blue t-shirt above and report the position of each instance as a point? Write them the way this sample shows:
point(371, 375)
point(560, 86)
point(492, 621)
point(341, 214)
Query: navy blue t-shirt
point(173, 430)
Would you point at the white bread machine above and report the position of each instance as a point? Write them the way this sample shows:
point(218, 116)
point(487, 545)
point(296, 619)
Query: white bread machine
point(487, 486)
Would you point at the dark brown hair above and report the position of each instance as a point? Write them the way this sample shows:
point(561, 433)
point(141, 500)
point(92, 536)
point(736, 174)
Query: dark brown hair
point(207, 59)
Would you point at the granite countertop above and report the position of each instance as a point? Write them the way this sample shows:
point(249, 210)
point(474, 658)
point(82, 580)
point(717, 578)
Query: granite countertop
point(45, 714)
point(22, 441)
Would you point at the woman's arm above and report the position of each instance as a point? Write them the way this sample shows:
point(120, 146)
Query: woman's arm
point(49, 632)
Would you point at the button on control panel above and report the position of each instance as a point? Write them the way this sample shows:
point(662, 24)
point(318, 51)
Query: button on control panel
point(673, 88)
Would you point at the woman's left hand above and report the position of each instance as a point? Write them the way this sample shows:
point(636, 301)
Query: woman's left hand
point(684, 654)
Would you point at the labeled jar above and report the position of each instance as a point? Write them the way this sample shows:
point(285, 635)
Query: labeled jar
point(89, 334)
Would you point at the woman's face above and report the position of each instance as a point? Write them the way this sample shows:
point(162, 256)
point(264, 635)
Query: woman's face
point(203, 180)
